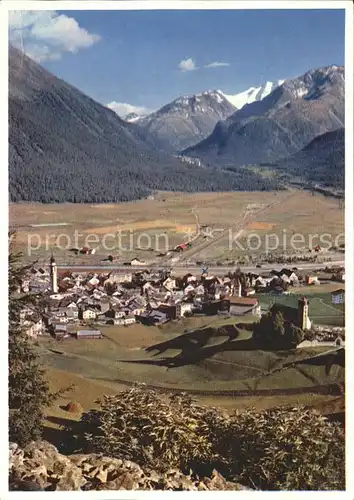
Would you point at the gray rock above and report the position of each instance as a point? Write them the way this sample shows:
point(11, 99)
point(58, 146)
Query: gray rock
point(39, 467)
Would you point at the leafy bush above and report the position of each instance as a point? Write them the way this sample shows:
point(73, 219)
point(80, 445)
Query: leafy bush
point(286, 449)
point(137, 425)
point(277, 449)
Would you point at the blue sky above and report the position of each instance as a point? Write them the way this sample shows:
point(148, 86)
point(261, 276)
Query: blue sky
point(136, 57)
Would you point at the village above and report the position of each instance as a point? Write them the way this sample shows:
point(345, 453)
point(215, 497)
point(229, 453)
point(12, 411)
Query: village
point(75, 305)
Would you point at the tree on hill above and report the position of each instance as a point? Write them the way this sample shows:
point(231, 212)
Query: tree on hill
point(28, 390)
point(273, 332)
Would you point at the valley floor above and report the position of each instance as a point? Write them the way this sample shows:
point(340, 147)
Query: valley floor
point(147, 228)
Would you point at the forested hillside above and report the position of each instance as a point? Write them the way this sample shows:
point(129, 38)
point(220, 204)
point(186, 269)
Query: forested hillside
point(320, 162)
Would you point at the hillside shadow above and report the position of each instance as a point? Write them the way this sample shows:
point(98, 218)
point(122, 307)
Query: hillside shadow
point(64, 438)
point(192, 352)
point(326, 360)
point(198, 339)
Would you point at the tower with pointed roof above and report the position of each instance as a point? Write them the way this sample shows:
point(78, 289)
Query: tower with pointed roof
point(303, 314)
point(53, 275)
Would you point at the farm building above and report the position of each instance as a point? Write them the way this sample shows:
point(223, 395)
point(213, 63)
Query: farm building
point(116, 277)
point(60, 331)
point(171, 311)
point(137, 262)
point(129, 320)
point(87, 251)
point(312, 280)
point(183, 308)
point(89, 334)
point(182, 247)
point(244, 305)
point(215, 306)
point(89, 314)
point(57, 327)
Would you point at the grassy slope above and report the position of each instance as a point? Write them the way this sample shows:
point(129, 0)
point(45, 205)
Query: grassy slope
point(205, 359)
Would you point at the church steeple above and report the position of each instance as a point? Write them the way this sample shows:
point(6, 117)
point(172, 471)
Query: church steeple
point(53, 275)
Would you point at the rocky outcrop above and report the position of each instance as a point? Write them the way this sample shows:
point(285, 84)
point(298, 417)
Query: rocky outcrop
point(39, 466)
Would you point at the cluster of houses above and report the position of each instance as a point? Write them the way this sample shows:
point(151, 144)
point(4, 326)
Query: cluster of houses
point(278, 282)
point(117, 298)
point(147, 296)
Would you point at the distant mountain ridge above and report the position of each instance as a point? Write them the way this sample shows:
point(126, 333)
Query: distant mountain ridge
point(66, 147)
point(186, 120)
point(280, 124)
point(191, 118)
point(132, 117)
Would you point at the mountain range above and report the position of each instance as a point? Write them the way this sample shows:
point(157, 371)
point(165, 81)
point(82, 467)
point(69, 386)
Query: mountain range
point(280, 124)
point(64, 146)
point(189, 119)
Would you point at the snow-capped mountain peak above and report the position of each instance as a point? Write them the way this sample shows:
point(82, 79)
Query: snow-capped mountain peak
point(252, 94)
point(316, 81)
point(201, 102)
point(132, 117)
point(188, 119)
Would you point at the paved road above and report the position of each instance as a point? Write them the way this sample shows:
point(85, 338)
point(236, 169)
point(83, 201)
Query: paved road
point(183, 269)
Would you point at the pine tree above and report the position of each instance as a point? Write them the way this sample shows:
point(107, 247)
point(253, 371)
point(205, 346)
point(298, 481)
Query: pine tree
point(29, 392)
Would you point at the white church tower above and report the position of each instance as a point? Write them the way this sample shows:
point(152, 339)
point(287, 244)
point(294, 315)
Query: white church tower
point(53, 275)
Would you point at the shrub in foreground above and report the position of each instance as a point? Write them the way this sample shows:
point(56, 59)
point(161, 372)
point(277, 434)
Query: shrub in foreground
point(286, 449)
point(277, 449)
point(138, 425)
